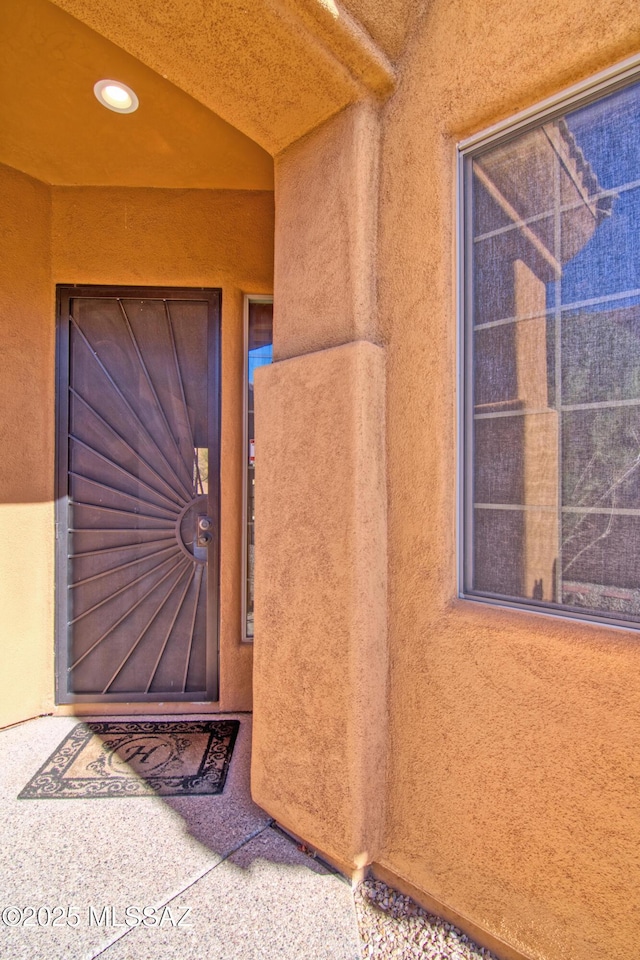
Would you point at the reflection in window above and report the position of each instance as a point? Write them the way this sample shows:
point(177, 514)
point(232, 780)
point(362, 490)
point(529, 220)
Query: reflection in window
point(552, 499)
point(259, 351)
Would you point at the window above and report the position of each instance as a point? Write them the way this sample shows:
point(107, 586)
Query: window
point(551, 461)
point(258, 352)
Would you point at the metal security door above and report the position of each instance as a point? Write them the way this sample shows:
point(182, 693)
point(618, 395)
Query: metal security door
point(138, 494)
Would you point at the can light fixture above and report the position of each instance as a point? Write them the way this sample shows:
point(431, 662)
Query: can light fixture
point(116, 96)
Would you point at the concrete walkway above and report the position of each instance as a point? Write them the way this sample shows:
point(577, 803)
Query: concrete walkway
point(250, 892)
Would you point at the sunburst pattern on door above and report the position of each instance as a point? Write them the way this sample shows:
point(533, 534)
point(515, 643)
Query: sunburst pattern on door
point(141, 422)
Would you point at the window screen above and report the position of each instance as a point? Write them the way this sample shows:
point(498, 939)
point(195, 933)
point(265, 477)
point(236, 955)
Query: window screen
point(552, 362)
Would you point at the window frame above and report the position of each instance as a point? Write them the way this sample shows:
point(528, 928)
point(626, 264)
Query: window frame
point(602, 84)
point(248, 299)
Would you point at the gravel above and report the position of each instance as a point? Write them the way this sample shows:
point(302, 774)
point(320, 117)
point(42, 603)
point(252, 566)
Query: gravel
point(393, 927)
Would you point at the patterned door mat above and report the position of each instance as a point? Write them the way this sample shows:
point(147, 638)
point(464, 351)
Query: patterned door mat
point(137, 759)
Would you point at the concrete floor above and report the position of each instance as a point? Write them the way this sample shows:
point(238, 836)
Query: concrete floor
point(250, 892)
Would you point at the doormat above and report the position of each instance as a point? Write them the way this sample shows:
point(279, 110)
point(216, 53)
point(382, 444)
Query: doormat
point(137, 759)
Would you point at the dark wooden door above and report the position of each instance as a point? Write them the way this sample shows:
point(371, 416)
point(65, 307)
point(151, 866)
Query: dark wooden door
point(138, 494)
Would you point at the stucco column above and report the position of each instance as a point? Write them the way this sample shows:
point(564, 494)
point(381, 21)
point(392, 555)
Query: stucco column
point(320, 663)
point(326, 189)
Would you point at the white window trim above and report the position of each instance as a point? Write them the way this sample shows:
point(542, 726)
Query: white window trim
point(248, 298)
point(578, 95)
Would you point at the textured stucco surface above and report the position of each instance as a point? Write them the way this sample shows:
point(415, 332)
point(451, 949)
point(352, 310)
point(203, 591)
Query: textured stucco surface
point(274, 69)
point(388, 21)
point(53, 127)
point(26, 439)
point(513, 748)
point(320, 601)
point(326, 234)
point(188, 238)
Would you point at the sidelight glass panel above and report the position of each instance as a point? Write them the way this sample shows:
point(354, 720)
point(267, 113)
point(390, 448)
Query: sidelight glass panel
point(259, 352)
point(552, 411)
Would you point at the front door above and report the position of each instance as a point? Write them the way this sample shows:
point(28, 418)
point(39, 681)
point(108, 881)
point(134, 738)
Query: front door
point(137, 494)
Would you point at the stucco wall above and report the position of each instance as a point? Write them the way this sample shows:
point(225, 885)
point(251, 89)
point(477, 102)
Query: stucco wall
point(513, 750)
point(26, 440)
point(327, 204)
point(512, 747)
point(320, 598)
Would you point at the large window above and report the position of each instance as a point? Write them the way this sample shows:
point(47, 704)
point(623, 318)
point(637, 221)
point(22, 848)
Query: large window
point(258, 352)
point(552, 358)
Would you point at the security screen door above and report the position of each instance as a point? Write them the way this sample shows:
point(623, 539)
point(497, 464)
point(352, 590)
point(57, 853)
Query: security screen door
point(137, 494)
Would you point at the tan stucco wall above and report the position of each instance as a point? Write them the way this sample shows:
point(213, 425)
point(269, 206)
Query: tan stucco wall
point(26, 440)
point(320, 598)
point(513, 750)
point(109, 236)
point(326, 235)
point(387, 21)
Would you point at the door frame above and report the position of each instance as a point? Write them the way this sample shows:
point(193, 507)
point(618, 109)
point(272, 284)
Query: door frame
point(64, 294)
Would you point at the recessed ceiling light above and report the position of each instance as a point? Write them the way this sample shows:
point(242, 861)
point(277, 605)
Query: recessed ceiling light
point(116, 96)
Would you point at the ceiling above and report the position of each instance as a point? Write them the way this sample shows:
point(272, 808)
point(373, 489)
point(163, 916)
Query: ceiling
point(54, 129)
